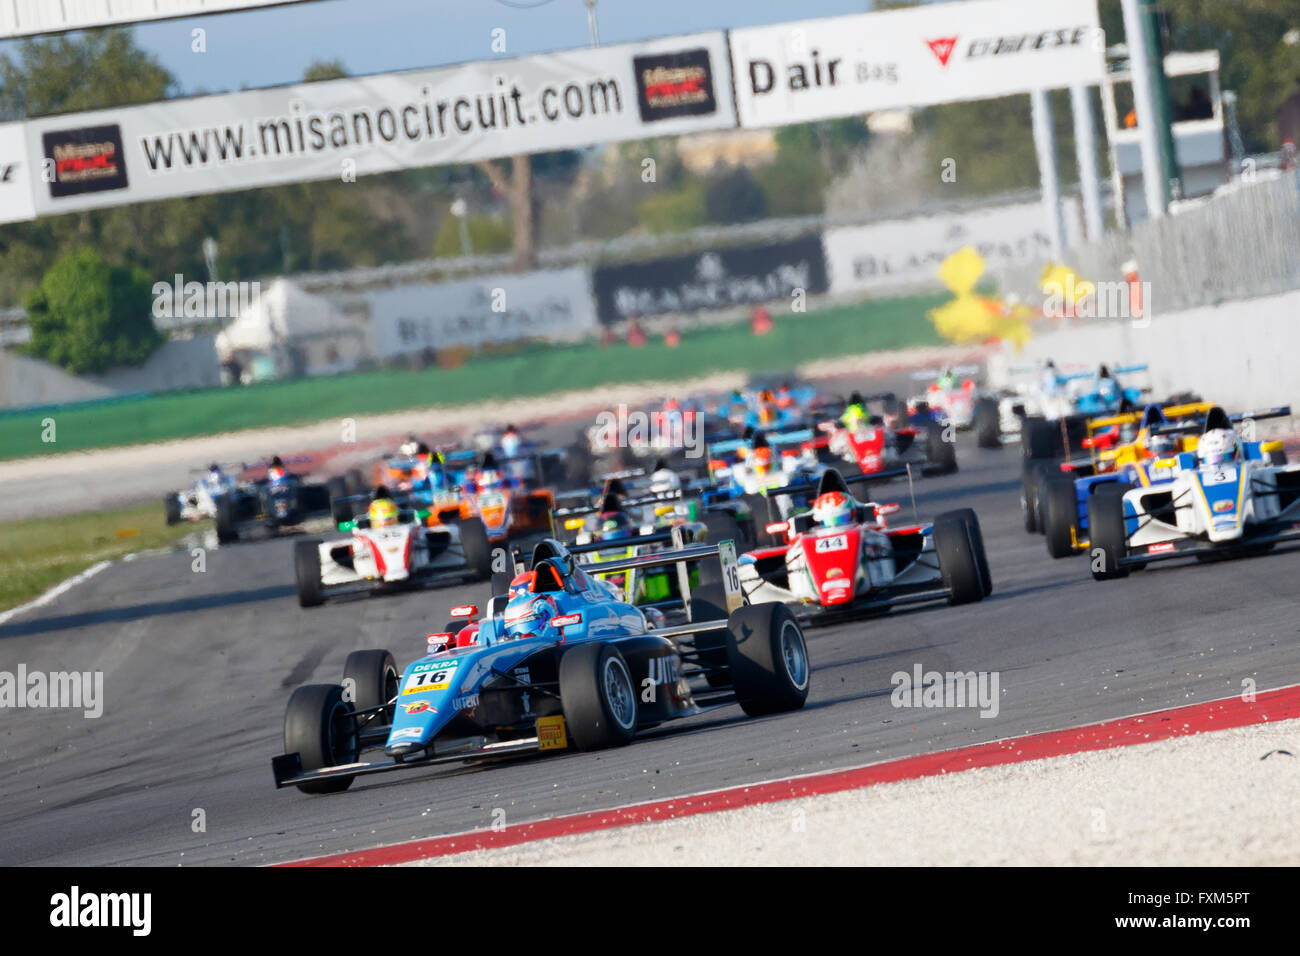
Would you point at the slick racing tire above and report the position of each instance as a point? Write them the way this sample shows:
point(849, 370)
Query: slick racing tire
point(320, 728)
point(709, 603)
point(1107, 536)
point(761, 513)
point(1029, 494)
point(227, 533)
point(1060, 515)
point(355, 482)
point(1039, 438)
point(942, 454)
point(306, 572)
point(959, 544)
point(340, 511)
point(172, 509)
point(768, 658)
point(372, 677)
point(722, 526)
point(988, 424)
point(478, 549)
point(598, 696)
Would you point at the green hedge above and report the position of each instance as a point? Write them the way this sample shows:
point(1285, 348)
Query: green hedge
point(536, 370)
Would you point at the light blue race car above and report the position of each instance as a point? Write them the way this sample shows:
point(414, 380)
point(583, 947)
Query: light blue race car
point(559, 661)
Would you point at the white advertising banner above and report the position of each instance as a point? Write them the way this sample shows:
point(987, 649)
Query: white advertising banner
point(20, 18)
point(339, 129)
point(15, 174)
point(410, 317)
point(908, 252)
point(937, 53)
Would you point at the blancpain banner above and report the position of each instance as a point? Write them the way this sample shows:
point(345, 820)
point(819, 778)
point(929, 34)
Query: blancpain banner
point(411, 317)
point(20, 18)
point(341, 129)
point(908, 252)
point(937, 53)
point(15, 174)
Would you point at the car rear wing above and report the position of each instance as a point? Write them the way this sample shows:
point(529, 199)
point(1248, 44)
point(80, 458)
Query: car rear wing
point(954, 369)
point(681, 555)
point(801, 487)
point(654, 498)
point(1278, 411)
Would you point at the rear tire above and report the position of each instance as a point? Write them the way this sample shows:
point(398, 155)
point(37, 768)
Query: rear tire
point(320, 728)
point(760, 512)
point(478, 549)
point(1039, 438)
point(598, 697)
point(768, 658)
point(709, 603)
point(306, 571)
point(988, 424)
point(1107, 535)
point(1060, 515)
point(227, 533)
point(941, 452)
point(960, 547)
point(374, 678)
point(172, 509)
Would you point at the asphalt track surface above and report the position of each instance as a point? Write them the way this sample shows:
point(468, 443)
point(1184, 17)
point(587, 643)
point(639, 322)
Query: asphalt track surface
point(198, 667)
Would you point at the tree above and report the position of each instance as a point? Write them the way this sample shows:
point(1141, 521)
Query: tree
point(88, 316)
point(85, 71)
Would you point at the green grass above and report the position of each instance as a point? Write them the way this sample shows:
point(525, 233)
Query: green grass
point(536, 370)
point(38, 553)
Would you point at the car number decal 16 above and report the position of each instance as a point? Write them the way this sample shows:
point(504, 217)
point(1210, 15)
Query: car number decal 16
point(433, 677)
point(730, 575)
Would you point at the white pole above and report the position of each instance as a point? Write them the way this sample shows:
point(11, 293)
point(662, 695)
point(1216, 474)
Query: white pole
point(1085, 152)
point(1045, 146)
point(592, 26)
point(1144, 99)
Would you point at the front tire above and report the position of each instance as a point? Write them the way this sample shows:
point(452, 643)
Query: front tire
point(172, 509)
point(598, 697)
point(374, 678)
point(1060, 515)
point(319, 726)
point(768, 658)
point(306, 571)
point(478, 549)
point(1107, 533)
point(959, 544)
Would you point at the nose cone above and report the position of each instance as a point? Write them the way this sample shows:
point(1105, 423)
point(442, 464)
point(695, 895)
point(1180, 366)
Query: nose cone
point(403, 749)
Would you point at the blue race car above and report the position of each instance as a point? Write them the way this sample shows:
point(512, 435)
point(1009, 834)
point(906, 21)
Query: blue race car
point(561, 660)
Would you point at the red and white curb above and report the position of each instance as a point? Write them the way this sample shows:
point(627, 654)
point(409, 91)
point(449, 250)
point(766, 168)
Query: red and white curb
point(1266, 707)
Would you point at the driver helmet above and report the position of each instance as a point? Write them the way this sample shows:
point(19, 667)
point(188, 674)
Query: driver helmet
point(510, 442)
point(382, 513)
point(277, 473)
point(762, 459)
point(526, 613)
point(833, 509)
point(1218, 445)
point(410, 447)
point(614, 524)
point(489, 478)
point(663, 479)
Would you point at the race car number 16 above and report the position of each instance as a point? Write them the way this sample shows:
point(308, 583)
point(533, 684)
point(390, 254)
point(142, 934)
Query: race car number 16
point(730, 575)
point(429, 680)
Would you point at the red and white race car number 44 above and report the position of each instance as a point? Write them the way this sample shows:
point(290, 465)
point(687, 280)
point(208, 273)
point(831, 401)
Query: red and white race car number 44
point(834, 542)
